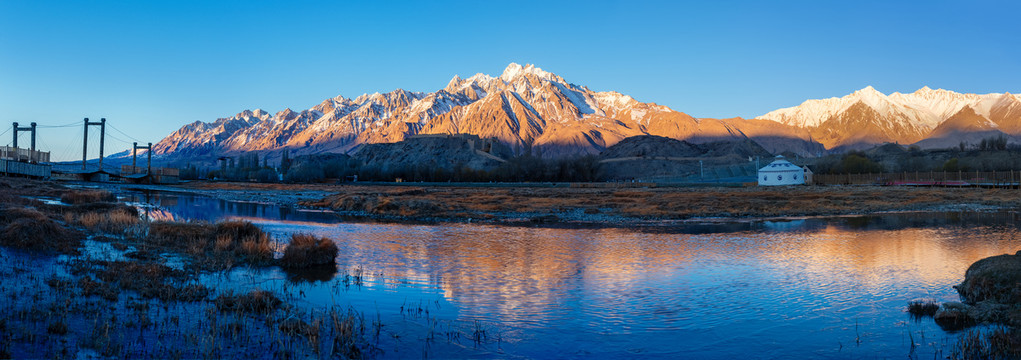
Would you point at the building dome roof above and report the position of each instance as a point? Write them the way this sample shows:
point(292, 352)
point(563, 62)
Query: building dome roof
point(780, 165)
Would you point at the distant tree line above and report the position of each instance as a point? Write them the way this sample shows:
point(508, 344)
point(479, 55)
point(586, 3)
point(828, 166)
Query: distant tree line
point(854, 162)
point(524, 168)
point(989, 154)
point(340, 168)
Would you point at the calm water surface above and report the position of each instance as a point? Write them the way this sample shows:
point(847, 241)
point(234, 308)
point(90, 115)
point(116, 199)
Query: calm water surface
point(808, 288)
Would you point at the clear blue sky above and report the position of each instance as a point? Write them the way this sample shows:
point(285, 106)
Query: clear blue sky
point(150, 67)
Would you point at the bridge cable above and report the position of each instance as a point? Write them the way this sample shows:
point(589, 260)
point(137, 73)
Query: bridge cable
point(123, 133)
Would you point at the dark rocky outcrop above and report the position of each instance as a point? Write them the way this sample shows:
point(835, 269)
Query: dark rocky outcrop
point(431, 152)
point(990, 293)
point(996, 279)
point(650, 156)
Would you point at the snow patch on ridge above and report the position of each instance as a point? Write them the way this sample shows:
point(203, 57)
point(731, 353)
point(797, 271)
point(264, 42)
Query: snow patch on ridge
point(925, 108)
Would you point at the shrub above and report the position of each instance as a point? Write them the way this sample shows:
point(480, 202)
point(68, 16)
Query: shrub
point(244, 239)
point(306, 250)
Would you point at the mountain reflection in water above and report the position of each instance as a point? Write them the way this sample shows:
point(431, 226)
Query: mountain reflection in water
point(792, 288)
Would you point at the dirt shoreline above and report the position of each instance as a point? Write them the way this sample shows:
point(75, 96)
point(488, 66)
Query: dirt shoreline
point(600, 206)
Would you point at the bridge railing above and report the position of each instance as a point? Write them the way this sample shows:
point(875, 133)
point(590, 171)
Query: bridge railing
point(20, 154)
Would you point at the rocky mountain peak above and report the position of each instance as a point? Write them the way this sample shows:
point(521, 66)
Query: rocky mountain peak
point(529, 108)
point(514, 71)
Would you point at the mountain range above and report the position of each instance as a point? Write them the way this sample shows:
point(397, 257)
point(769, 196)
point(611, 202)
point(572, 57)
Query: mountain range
point(929, 118)
point(532, 110)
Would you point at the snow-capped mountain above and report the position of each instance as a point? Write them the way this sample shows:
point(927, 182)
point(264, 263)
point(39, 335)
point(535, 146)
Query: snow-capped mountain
point(525, 108)
point(530, 109)
point(867, 117)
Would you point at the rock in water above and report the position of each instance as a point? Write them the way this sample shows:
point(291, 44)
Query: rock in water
point(996, 279)
point(953, 316)
point(991, 293)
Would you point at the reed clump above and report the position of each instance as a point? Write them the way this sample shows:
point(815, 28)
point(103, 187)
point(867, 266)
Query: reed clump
point(214, 246)
point(190, 237)
point(296, 327)
point(244, 240)
point(87, 196)
point(255, 301)
point(920, 308)
point(150, 280)
point(114, 221)
point(307, 250)
point(29, 229)
point(998, 343)
point(145, 278)
point(90, 287)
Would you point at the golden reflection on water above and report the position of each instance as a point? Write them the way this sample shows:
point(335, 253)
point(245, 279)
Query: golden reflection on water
point(516, 271)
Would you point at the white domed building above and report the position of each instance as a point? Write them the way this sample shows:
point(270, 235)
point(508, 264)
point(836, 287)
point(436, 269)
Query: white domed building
point(782, 172)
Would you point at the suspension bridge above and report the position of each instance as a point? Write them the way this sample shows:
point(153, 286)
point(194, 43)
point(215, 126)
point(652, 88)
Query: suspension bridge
point(32, 162)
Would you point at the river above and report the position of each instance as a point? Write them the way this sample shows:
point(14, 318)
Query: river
point(794, 288)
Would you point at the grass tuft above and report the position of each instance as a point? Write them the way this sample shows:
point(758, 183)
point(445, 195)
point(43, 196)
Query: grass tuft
point(998, 343)
point(114, 221)
point(30, 229)
point(920, 308)
point(295, 327)
point(255, 301)
point(307, 250)
point(214, 247)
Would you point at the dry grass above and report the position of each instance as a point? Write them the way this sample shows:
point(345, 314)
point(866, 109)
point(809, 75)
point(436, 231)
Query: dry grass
point(87, 196)
point(30, 229)
point(296, 327)
point(998, 343)
point(920, 308)
point(255, 301)
point(218, 246)
point(387, 204)
point(306, 250)
point(115, 221)
point(151, 280)
point(90, 287)
point(246, 241)
point(650, 203)
point(180, 235)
